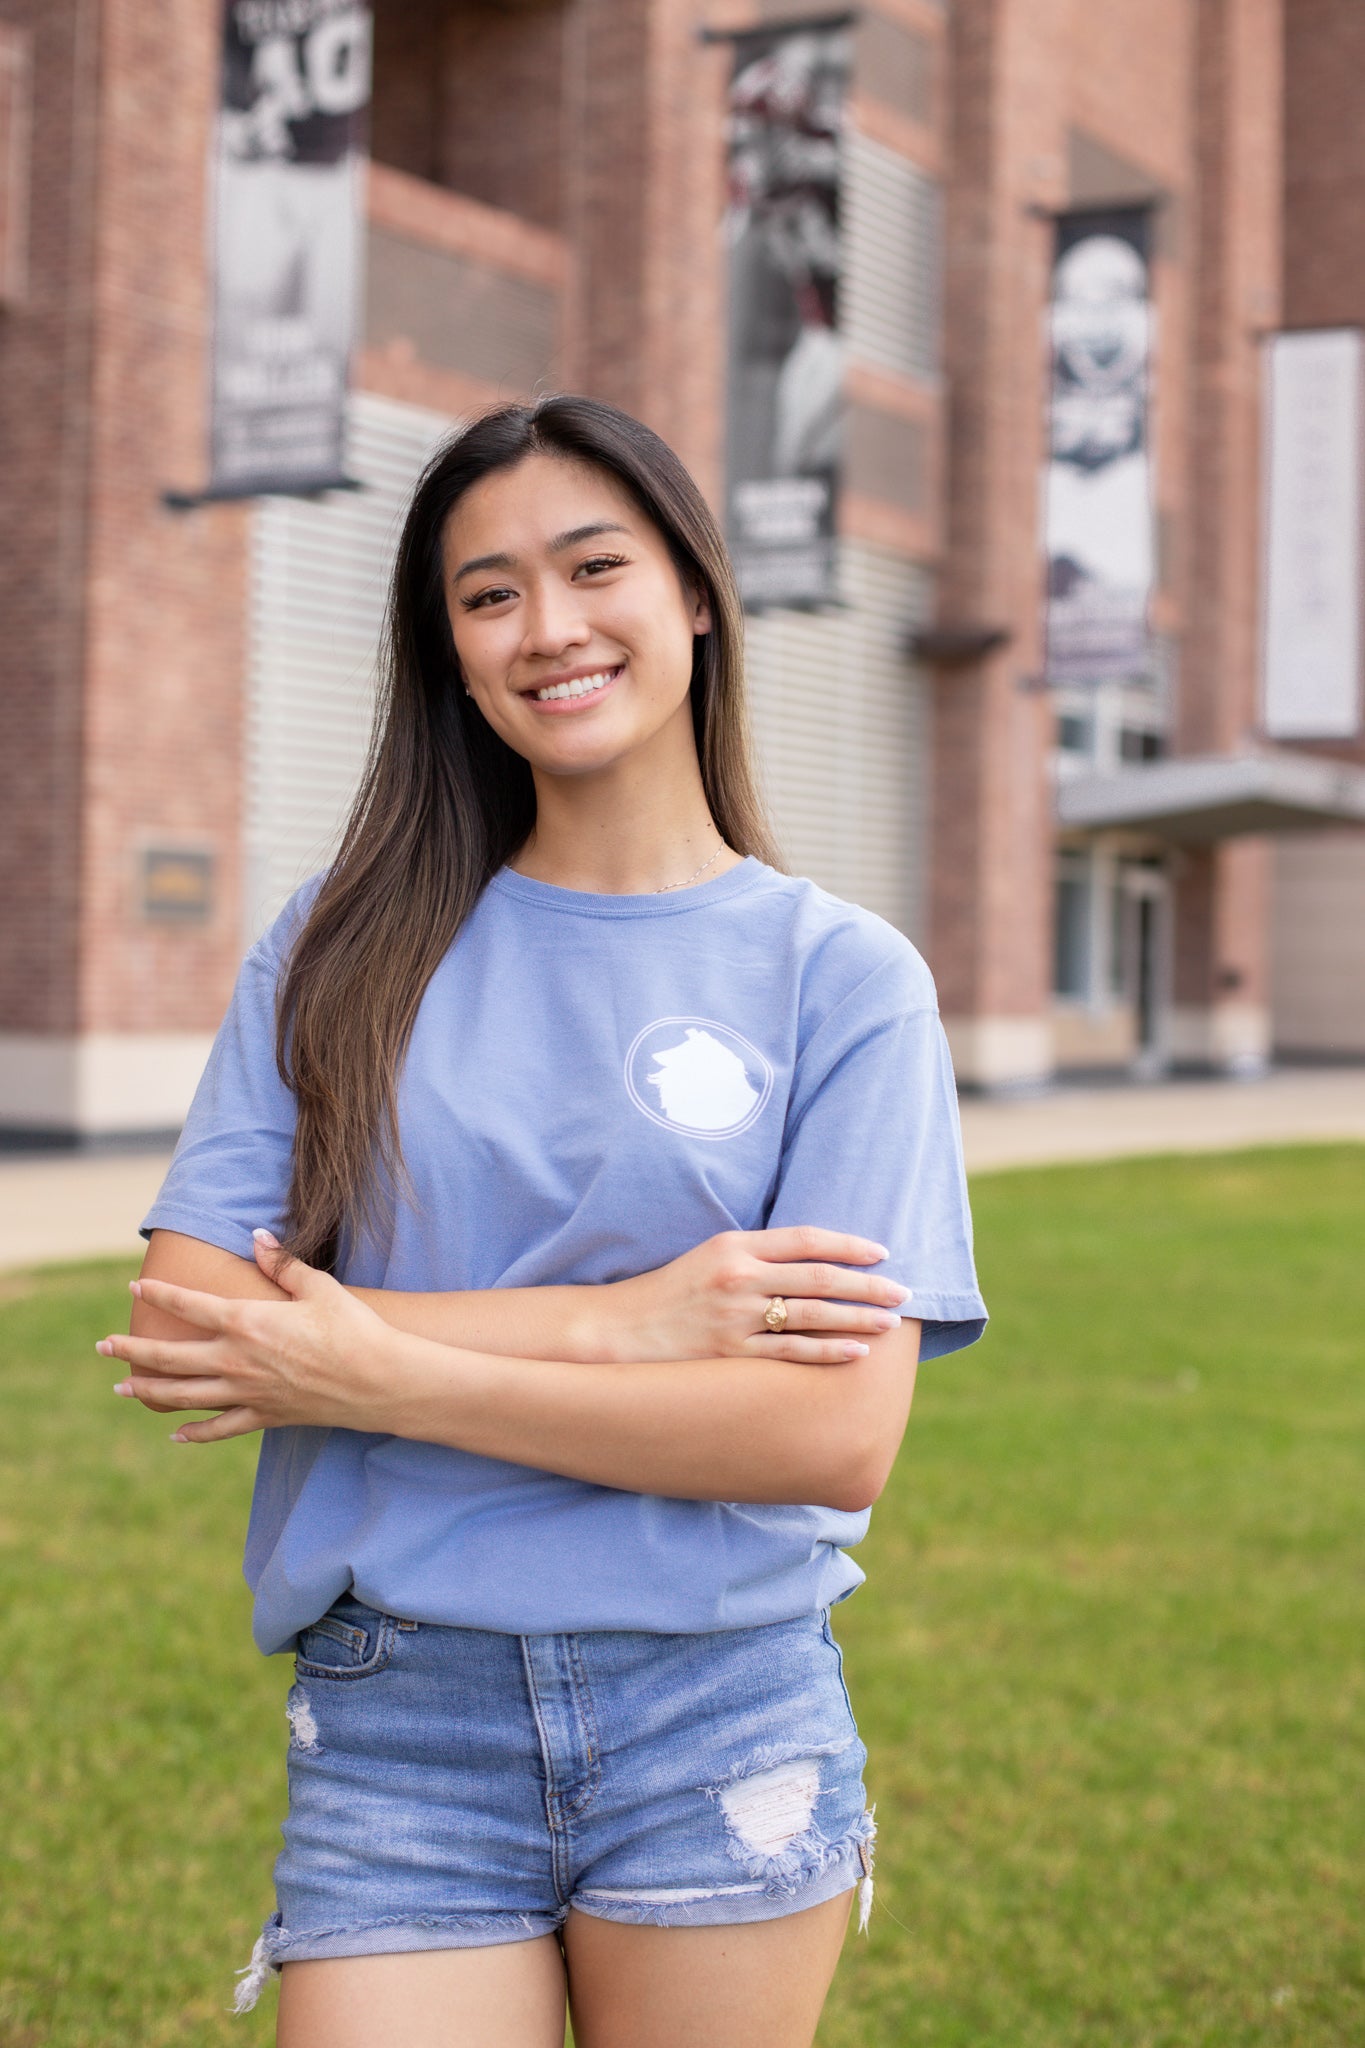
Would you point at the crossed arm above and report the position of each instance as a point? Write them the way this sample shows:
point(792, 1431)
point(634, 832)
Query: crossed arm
point(602, 1384)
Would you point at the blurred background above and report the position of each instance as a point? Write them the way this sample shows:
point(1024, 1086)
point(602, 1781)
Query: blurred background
point(1018, 344)
point(1019, 347)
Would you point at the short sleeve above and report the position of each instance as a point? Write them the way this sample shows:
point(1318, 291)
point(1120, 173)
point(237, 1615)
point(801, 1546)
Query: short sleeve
point(230, 1173)
point(873, 1146)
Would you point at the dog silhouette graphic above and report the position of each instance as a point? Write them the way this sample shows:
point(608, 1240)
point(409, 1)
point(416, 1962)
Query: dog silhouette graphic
point(701, 1083)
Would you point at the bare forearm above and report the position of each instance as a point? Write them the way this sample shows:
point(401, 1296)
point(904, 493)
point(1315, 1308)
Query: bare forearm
point(710, 1302)
point(521, 1322)
point(750, 1428)
point(701, 1429)
point(191, 1262)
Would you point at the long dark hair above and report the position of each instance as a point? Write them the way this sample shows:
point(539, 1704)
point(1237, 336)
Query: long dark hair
point(444, 803)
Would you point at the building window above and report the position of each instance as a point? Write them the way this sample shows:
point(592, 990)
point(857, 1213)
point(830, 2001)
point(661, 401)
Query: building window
point(1075, 732)
point(1071, 944)
point(1139, 744)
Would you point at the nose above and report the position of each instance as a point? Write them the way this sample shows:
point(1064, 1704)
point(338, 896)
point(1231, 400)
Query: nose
point(554, 619)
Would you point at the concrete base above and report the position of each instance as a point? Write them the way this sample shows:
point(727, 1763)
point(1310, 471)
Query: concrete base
point(1099, 1036)
point(63, 1090)
point(1319, 944)
point(995, 1053)
point(1220, 1038)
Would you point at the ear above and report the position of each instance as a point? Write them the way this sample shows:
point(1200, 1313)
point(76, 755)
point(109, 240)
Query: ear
point(701, 617)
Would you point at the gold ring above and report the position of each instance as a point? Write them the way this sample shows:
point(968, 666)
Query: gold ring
point(775, 1315)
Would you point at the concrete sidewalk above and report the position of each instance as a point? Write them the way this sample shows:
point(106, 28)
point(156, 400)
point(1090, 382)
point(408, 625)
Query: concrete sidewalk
point(86, 1205)
point(1070, 1122)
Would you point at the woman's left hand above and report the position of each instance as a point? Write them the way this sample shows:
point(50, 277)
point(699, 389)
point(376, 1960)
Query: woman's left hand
point(319, 1357)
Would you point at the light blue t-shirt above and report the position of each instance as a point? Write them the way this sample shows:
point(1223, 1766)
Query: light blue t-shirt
point(595, 1084)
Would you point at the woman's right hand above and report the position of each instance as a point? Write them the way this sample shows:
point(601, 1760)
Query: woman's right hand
point(709, 1303)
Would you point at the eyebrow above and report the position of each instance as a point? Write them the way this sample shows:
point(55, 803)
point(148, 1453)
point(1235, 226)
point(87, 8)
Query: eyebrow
point(560, 542)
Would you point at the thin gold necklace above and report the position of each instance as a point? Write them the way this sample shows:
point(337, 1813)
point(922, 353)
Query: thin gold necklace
point(666, 886)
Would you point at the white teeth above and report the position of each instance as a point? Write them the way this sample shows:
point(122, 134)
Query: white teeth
point(581, 686)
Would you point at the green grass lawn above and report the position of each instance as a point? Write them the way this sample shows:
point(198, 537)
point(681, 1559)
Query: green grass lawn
point(1110, 1662)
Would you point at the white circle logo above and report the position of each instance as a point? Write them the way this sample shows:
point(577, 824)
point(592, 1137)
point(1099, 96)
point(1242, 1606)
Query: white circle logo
point(693, 1075)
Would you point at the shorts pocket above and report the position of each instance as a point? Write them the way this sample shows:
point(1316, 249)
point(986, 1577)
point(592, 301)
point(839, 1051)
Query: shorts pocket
point(350, 1641)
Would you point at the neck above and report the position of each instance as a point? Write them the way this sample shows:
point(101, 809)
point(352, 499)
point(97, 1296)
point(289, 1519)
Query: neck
point(624, 831)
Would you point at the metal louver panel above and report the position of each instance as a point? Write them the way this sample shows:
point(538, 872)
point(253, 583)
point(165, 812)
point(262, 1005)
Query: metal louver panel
point(319, 578)
point(890, 299)
point(840, 717)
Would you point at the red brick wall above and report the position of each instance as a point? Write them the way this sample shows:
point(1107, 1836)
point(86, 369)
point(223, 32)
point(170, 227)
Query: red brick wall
point(1324, 168)
point(124, 644)
point(1237, 251)
point(502, 132)
point(601, 121)
point(165, 590)
point(1036, 89)
point(1186, 97)
point(45, 390)
point(405, 111)
point(452, 335)
point(472, 96)
point(125, 621)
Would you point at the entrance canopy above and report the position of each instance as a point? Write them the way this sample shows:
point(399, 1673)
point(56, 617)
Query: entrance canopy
point(1195, 801)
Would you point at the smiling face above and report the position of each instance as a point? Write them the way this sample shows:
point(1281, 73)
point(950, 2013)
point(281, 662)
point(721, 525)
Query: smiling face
point(573, 628)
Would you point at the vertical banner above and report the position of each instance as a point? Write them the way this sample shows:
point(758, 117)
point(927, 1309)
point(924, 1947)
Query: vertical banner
point(785, 376)
point(288, 191)
point(1099, 519)
point(1314, 447)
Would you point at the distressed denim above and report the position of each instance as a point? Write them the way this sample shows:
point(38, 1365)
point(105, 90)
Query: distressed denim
point(454, 1787)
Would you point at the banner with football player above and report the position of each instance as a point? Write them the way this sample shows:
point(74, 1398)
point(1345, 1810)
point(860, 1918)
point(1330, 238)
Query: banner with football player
point(288, 193)
point(786, 363)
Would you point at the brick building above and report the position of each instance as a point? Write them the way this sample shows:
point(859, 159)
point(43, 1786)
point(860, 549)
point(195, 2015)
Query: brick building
point(187, 688)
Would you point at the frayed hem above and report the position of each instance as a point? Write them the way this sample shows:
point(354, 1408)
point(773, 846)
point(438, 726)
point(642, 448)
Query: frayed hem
point(254, 1977)
point(274, 1947)
point(867, 1856)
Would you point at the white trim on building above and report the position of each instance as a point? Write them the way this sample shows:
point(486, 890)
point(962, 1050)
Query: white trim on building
point(320, 571)
point(841, 718)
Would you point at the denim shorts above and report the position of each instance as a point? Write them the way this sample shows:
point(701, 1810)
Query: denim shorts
point(454, 1787)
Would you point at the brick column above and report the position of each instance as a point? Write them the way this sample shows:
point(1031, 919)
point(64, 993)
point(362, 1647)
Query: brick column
point(45, 400)
point(1221, 1011)
point(991, 828)
point(126, 627)
point(644, 176)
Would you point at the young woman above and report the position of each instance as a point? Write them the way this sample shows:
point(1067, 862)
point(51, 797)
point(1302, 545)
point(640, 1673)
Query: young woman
point(605, 1157)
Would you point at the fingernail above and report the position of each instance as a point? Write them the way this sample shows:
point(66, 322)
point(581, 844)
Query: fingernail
point(124, 1387)
point(105, 1347)
point(135, 1287)
point(855, 1351)
point(177, 1438)
point(887, 1321)
point(265, 1237)
point(881, 1251)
